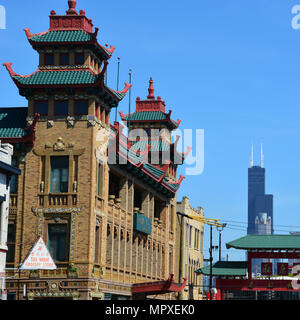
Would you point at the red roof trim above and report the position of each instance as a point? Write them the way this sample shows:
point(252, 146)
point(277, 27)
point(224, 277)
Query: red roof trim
point(159, 287)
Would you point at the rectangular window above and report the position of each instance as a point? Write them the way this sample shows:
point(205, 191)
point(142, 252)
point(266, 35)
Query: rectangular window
point(57, 242)
point(49, 59)
point(190, 236)
point(171, 218)
point(158, 208)
point(11, 242)
point(138, 198)
point(61, 108)
point(97, 242)
point(81, 107)
point(114, 185)
point(99, 187)
point(59, 174)
point(41, 107)
point(14, 178)
point(64, 59)
point(79, 59)
point(196, 239)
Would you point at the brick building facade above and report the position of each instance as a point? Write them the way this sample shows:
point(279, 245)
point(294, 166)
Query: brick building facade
point(107, 224)
point(192, 253)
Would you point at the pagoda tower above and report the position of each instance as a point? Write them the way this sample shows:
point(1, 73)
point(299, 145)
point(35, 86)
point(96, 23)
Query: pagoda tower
point(61, 190)
point(150, 127)
point(71, 71)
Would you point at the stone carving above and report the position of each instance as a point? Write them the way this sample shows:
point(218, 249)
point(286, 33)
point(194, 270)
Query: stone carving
point(59, 145)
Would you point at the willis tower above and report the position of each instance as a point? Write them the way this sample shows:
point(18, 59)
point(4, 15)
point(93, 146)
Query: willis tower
point(260, 204)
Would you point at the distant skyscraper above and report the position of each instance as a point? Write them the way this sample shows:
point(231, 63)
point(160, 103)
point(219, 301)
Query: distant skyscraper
point(260, 205)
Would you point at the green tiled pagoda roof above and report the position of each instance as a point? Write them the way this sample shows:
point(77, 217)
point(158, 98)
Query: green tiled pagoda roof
point(12, 122)
point(156, 145)
point(146, 115)
point(226, 268)
point(275, 241)
point(150, 116)
point(65, 77)
point(63, 36)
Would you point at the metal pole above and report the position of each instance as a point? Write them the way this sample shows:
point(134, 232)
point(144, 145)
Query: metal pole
point(220, 245)
point(211, 260)
point(118, 77)
point(129, 108)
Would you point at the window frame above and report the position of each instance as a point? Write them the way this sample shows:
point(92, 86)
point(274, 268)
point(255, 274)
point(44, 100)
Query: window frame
point(55, 108)
point(65, 223)
point(35, 107)
point(50, 175)
point(76, 102)
point(11, 244)
point(76, 59)
point(66, 54)
point(47, 55)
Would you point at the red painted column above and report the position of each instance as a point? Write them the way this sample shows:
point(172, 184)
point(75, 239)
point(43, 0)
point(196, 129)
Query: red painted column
point(249, 265)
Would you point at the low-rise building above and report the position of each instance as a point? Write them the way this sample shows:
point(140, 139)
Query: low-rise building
point(7, 171)
point(189, 250)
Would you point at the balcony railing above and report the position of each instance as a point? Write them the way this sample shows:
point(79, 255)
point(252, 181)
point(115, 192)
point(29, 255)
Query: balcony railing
point(58, 199)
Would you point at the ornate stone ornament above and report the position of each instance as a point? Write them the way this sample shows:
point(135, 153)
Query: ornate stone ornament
point(59, 145)
point(38, 211)
point(70, 121)
point(50, 124)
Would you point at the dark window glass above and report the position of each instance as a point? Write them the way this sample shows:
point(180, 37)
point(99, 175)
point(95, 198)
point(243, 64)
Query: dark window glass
point(97, 238)
point(59, 176)
point(57, 241)
point(61, 108)
point(11, 239)
point(64, 59)
point(14, 178)
point(81, 107)
point(41, 107)
point(99, 181)
point(79, 59)
point(49, 59)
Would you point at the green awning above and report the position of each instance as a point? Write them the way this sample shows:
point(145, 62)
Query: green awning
point(226, 268)
point(267, 242)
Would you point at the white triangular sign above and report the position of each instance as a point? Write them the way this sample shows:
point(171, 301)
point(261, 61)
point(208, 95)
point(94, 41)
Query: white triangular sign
point(39, 258)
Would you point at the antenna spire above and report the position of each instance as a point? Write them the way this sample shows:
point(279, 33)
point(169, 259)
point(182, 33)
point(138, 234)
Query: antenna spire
point(251, 159)
point(261, 156)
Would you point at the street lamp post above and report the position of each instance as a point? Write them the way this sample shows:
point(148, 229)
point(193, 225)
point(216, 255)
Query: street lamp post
point(220, 229)
point(210, 266)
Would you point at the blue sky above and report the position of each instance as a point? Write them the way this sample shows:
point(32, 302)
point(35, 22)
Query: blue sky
point(228, 67)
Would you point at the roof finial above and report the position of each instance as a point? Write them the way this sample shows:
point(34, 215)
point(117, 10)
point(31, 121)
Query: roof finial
point(151, 90)
point(72, 6)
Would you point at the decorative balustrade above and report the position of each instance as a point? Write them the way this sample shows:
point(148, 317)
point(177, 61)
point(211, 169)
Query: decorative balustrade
point(59, 199)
